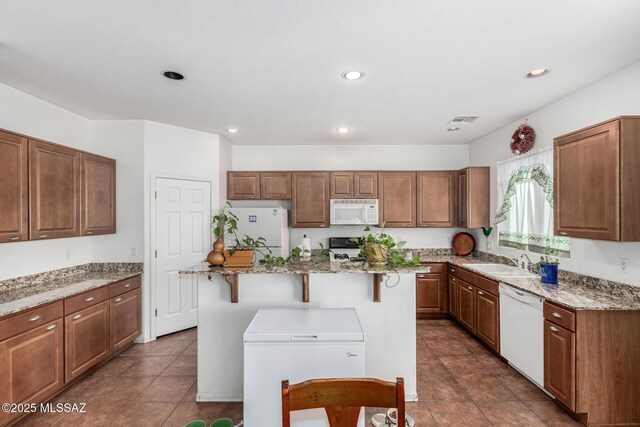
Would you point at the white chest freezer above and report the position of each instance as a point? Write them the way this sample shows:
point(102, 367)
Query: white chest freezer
point(297, 344)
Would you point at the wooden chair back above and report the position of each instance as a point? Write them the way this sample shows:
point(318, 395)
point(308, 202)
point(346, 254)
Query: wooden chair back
point(342, 398)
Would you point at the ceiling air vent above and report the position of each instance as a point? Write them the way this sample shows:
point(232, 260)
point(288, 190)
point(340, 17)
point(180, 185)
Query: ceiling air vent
point(458, 120)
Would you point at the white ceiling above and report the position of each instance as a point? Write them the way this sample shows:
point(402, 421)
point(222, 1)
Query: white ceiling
point(272, 68)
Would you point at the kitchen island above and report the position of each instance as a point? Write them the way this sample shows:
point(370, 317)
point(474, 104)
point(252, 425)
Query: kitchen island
point(384, 299)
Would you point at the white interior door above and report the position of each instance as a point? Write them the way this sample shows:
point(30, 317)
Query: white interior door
point(183, 238)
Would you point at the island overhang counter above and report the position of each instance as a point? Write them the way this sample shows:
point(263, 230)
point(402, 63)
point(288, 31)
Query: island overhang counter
point(384, 299)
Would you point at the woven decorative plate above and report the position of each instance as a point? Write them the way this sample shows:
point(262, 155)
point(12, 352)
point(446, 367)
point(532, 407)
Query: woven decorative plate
point(463, 244)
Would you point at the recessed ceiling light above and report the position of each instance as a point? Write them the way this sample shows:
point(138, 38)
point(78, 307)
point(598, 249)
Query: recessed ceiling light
point(352, 75)
point(537, 73)
point(232, 130)
point(173, 75)
point(453, 129)
point(343, 130)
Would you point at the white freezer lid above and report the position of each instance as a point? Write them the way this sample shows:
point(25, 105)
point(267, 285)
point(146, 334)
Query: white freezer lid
point(305, 325)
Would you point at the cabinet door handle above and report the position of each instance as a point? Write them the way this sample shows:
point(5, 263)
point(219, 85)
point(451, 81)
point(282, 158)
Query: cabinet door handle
point(128, 285)
point(421, 276)
point(563, 233)
point(14, 238)
point(76, 317)
point(89, 232)
point(118, 299)
point(480, 293)
point(50, 327)
point(558, 315)
point(42, 236)
point(89, 299)
point(553, 328)
point(35, 318)
point(453, 279)
point(470, 288)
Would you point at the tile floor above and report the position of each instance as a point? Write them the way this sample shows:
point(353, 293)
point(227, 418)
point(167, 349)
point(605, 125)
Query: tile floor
point(460, 383)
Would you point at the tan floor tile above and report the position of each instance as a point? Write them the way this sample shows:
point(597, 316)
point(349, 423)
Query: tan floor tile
point(191, 394)
point(448, 347)
point(83, 389)
point(192, 350)
point(144, 414)
point(463, 365)
point(183, 365)
point(138, 349)
point(485, 387)
point(439, 387)
point(97, 414)
point(124, 389)
point(495, 365)
point(186, 335)
point(457, 414)
point(523, 388)
point(431, 366)
point(167, 389)
point(515, 414)
point(549, 412)
point(149, 366)
point(168, 348)
point(420, 414)
point(115, 366)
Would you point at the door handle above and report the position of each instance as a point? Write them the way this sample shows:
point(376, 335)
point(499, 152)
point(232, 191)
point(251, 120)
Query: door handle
point(42, 236)
point(480, 293)
point(470, 288)
point(89, 232)
point(128, 285)
point(89, 299)
point(14, 238)
point(35, 318)
point(118, 299)
point(553, 328)
point(76, 317)
point(558, 315)
point(50, 327)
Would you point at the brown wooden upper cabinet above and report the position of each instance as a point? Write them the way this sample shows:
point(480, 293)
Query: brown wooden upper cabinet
point(54, 191)
point(243, 185)
point(310, 199)
point(354, 185)
point(14, 188)
point(341, 185)
point(597, 181)
point(275, 185)
point(97, 195)
point(473, 197)
point(397, 199)
point(436, 198)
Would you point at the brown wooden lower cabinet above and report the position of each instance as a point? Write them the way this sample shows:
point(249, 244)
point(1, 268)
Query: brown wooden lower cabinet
point(31, 366)
point(431, 292)
point(125, 319)
point(86, 339)
point(467, 305)
point(454, 301)
point(488, 318)
point(560, 364)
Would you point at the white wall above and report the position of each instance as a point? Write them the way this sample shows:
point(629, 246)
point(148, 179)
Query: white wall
point(123, 141)
point(337, 157)
point(31, 116)
point(615, 95)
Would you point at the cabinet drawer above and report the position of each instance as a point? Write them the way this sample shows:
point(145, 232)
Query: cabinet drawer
point(560, 316)
point(467, 276)
point(124, 286)
point(453, 271)
point(488, 285)
point(434, 268)
point(79, 302)
point(30, 319)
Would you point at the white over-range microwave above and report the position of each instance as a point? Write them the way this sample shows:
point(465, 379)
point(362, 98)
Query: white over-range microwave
point(354, 211)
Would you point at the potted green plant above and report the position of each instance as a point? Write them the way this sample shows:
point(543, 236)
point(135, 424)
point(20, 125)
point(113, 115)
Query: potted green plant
point(375, 245)
point(242, 253)
point(223, 222)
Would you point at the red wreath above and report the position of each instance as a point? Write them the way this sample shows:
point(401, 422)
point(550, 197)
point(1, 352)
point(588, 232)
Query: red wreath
point(522, 139)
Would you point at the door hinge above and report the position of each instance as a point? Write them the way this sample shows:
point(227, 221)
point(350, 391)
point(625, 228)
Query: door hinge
point(156, 312)
point(156, 194)
point(156, 253)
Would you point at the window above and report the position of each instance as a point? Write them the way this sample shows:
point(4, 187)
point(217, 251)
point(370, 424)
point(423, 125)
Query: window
point(524, 218)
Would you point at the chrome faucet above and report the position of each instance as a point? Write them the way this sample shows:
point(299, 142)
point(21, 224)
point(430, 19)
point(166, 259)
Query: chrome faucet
point(514, 260)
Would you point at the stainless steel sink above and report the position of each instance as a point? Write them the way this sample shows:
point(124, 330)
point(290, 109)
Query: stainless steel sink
point(500, 270)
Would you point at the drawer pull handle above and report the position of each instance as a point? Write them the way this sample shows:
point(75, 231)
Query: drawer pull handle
point(35, 318)
point(77, 316)
point(89, 299)
point(50, 327)
point(128, 285)
point(89, 232)
point(553, 328)
point(118, 299)
point(563, 233)
point(453, 279)
point(519, 293)
point(480, 293)
point(42, 236)
point(14, 238)
point(470, 288)
point(558, 315)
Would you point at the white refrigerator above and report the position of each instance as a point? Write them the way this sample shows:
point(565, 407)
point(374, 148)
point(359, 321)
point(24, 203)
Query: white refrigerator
point(297, 344)
point(270, 223)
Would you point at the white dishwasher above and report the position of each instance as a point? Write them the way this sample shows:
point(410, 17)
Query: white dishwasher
point(522, 332)
point(297, 344)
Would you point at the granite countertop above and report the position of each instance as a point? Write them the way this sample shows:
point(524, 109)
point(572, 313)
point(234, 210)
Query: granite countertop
point(32, 291)
point(581, 293)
